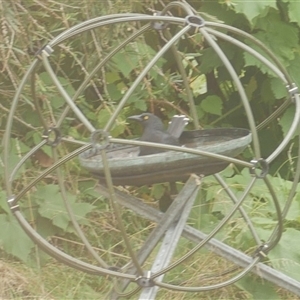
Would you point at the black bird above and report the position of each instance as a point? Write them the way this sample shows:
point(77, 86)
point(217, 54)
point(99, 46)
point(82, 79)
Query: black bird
point(153, 132)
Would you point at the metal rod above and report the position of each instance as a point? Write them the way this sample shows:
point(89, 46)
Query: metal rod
point(214, 245)
point(168, 247)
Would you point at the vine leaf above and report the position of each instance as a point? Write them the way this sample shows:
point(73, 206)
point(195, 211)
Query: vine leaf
point(257, 289)
point(13, 239)
point(252, 9)
point(286, 255)
point(213, 105)
point(51, 206)
point(286, 120)
point(3, 203)
point(294, 68)
point(293, 11)
point(279, 36)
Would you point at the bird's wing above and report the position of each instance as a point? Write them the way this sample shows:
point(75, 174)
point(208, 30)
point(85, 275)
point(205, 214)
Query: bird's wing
point(169, 139)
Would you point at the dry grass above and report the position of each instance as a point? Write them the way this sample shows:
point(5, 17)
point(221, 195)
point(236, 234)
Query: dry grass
point(16, 282)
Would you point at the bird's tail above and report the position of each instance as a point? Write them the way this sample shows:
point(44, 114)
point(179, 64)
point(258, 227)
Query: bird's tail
point(177, 124)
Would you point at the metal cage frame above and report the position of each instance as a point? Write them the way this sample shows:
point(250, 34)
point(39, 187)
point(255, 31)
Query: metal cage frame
point(150, 281)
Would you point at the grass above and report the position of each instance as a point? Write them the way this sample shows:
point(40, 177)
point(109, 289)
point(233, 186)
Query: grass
point(56, 281)
point(26, 24)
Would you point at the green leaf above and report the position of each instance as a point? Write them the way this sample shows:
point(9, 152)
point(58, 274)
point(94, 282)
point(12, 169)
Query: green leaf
point(140, 104)
point(251, 87)
point(278, 88)
point(294, 68)
point(199, 85)
point(257, 288)
point(285, 257)
point(112, 77)
point(103, 116)
point(114, 91)
point(158, 191)
point(252, 9)
point(13, 239)
point(213, 105)
point(138, 100)
point(51, 206)
point(46, 86)
point(287, 119)
point(125, 62)
point(210, 60)
point(3, 202)
point(293, 10)
point(279, 36)
point(17, 151)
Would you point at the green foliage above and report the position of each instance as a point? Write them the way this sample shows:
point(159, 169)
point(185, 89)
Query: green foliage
point(212, 105)
point(285, 256)
point(27, 25)
point(257, 289)
point(13, 239)
point(213, 204)
point(254, 9)
point(50, 206)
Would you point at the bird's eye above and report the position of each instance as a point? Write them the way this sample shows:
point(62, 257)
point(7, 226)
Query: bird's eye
point(145, 118)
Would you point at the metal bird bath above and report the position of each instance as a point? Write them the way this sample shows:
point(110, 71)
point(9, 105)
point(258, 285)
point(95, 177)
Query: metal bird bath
point(127, 168)
point(206, 152)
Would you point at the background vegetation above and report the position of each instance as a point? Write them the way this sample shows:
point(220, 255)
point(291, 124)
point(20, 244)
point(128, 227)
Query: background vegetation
point(28, 25)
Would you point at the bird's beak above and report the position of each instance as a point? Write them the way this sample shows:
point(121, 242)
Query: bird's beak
point(135, 118)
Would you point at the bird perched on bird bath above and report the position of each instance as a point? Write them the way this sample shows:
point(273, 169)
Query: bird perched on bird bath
point(153, 131)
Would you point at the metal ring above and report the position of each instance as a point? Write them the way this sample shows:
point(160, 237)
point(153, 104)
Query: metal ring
point(100, 139)
point(47, 50)
point(52, 140)
point(195, 21)
point(145, 281)
point(159, 25)
point(292, 89)
point(262, 251)
point(262, 164)
point(11, 203)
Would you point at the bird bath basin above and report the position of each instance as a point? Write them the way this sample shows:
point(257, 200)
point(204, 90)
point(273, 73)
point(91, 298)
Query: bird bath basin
point(127, 168)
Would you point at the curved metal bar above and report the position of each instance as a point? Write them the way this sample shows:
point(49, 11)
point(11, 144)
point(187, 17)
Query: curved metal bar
point(240, 88)
point(277, 232)
point(100, 65)
point(49, 170)
point(241, 209)
point(177, 4)
point(10, 121)
point(281, 75)
point(211, 234)
point(87, 146)
point(65, 95)
point(70, 31)
point(295, 183)
point(24, 158)
point(185, 82)
point(35, 100)
point(118, 214)
point(291, 132)
point(120, 19)
point(182, 149)
point(251, 51)
point(258, 43)
point(214, 245)
point(212, 287)
point(169, 217)
point(279, 70)
point(274, 114)
point(142, 75)
point(77, 228)
point(63, 257)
